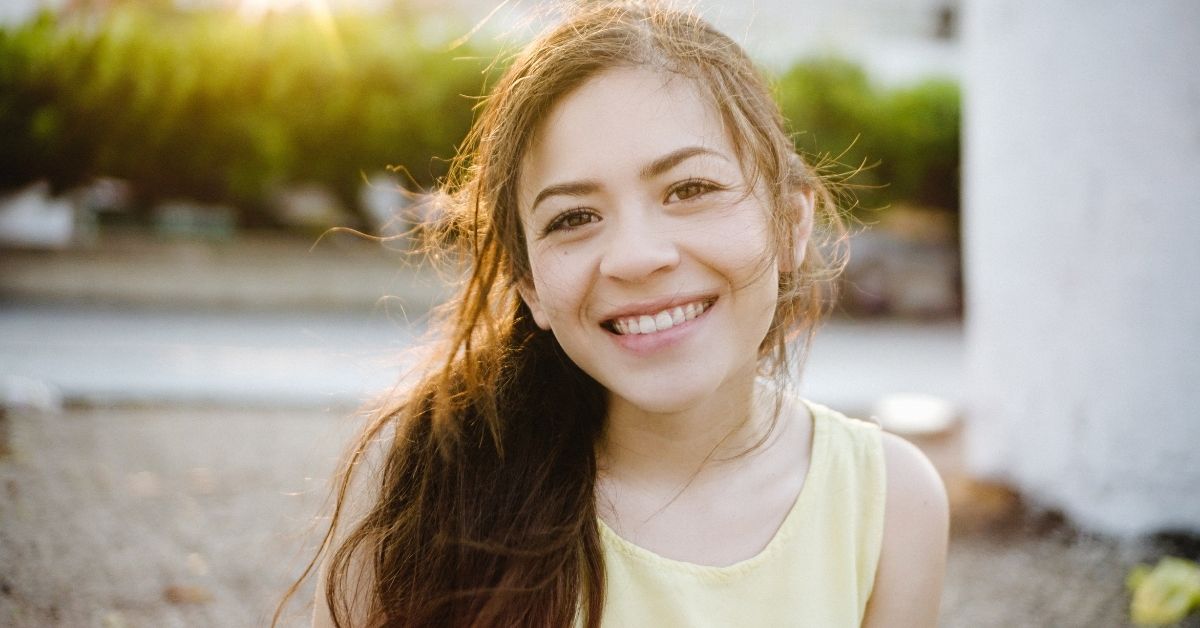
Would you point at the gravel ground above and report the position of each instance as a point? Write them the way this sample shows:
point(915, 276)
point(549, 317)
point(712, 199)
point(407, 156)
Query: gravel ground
point(153, 517)
point(162, 517)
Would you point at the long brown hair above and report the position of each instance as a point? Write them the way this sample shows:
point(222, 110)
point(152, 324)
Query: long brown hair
point(483, 511)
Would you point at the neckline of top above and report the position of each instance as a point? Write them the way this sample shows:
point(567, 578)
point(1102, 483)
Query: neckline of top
point(814, 476)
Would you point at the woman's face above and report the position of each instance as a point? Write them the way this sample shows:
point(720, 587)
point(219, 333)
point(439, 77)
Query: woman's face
point(650, 260)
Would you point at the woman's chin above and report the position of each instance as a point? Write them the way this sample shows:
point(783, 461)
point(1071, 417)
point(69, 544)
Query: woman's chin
point(663, 399)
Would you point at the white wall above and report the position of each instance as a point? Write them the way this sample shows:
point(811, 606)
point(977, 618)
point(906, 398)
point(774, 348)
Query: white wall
point(1082, 245)
point(893, 39)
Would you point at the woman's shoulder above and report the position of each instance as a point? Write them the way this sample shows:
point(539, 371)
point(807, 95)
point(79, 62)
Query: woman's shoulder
point(822, 412)
point(859, 439)
point(914, 491)
point(908, 581)
point(912, 551)
point(910, 474)
point(917, 506)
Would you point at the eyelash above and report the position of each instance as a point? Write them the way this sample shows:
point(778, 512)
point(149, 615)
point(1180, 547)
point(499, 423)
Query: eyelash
point(560, 221)
point(702, 186)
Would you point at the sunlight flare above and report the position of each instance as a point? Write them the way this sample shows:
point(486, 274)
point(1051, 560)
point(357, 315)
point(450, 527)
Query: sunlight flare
point(255, 11)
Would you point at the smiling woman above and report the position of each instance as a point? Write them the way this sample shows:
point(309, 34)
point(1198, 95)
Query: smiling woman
point(607, 433)
point(643, 211)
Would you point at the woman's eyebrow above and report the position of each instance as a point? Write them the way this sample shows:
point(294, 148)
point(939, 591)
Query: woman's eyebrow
point(573, 188)
point(674, 158)
point(653, 169)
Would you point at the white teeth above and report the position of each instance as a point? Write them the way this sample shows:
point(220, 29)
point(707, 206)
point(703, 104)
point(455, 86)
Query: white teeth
point(664, 320)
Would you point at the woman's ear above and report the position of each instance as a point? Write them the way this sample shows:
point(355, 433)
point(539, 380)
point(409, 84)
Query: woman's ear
point(530, 296)
point(792, 256)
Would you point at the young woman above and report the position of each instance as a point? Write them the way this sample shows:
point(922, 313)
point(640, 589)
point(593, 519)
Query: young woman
point(605, 433)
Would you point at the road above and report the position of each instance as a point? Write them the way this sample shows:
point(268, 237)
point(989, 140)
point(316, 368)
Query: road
point(103, 355)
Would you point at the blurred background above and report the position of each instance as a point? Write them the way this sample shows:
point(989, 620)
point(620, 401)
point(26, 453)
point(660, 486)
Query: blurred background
point(185, 345)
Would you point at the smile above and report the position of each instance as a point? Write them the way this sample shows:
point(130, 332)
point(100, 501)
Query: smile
point(659, 321)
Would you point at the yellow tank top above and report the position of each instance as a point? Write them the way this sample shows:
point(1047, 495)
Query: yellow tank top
point(817, 570)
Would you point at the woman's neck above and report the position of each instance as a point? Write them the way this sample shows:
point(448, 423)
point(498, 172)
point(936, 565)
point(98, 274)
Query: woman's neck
point(665, 449)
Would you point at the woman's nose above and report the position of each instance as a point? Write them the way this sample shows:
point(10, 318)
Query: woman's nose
point(638, 248)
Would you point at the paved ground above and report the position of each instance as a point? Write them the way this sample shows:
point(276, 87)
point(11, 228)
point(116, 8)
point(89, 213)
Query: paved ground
point(109, 515)
point(162, 516)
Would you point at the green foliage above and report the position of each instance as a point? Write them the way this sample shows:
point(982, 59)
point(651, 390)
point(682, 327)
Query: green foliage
point(908, 137)
point(1164, 594)
point(213, 107)
point(209, 106)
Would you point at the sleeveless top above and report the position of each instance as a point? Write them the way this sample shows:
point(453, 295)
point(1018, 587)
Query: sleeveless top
point(818, 569)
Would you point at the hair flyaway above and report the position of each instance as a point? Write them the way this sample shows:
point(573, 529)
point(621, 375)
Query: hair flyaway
point(475, 497)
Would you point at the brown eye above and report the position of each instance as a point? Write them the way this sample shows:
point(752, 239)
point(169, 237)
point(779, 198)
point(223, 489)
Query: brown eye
point(577, 220)
point(571, 219)
point(690, 189)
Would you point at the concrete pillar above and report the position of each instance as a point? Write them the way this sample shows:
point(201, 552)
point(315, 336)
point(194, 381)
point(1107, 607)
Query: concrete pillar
point(1082, 256)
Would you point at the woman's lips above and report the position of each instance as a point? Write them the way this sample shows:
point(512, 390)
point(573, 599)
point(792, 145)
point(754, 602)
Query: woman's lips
point(660, 321)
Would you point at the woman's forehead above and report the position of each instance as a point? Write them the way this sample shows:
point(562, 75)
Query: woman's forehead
point(619, 122)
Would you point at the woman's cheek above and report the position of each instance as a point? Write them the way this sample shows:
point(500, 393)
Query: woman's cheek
point(737, 243)
point(560, 281)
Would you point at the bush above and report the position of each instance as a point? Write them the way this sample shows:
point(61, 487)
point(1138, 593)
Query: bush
point(909, 137)
point(215, 108)
point(211, 107)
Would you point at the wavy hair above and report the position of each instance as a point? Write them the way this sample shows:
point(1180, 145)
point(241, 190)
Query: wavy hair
point(483, 510)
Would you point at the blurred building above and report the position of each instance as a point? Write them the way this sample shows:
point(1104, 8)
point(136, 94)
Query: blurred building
point(1082, 180)
point(897, 41)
